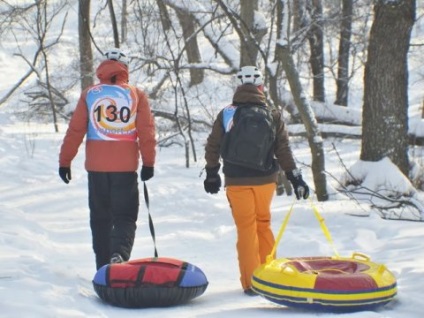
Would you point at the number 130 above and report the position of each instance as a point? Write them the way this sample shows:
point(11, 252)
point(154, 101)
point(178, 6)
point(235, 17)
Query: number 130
point(123, 115)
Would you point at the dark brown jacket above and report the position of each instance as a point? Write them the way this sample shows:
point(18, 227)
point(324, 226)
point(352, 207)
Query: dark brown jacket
point(236, 175)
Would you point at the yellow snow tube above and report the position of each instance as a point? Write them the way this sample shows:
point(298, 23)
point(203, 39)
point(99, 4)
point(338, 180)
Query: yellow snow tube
point(324, 283)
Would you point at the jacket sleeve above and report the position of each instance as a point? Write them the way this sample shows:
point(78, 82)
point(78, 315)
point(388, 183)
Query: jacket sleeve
point(213, 144)
point(146, 131)
point(283, 151)
point(75, 134)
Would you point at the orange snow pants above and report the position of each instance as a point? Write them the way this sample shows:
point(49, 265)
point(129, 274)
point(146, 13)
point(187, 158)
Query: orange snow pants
point(251, 209)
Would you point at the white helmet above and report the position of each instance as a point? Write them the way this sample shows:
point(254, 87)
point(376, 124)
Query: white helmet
point(249, 75)
point(116, 55)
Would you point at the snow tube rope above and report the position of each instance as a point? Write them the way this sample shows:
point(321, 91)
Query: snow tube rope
point(321, 222)
point(151, 226)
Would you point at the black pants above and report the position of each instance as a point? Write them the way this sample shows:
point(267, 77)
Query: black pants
point(113, 200)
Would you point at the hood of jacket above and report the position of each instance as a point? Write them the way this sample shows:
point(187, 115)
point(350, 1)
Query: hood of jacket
point(108, 69)
point(249, 94)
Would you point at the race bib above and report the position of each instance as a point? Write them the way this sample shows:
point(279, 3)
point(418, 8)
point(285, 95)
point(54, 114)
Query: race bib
point(112, 112)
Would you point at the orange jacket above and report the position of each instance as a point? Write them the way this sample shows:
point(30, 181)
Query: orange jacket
point(118, 131)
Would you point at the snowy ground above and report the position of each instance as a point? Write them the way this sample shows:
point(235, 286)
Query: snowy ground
point(46, 261)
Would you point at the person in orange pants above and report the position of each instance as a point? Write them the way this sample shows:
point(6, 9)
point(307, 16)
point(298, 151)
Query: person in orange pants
point(250, 189)
point(250, 206)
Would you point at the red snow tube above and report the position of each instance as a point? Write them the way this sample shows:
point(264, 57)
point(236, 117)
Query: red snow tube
point(149, 282)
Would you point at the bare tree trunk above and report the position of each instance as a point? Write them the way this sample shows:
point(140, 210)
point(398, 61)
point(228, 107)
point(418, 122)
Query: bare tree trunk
point(422, 110)
point(312, 130)
point(124, 21)
point(385, 110)
point(316, 43)
point(192, 48)
point(49, 92)
point(86, 54)
point(114, 23)
point(42, 27)
point(164, 16)
point(243, 31)
point(248, 44)
point(314, 136)
point(298, 8)
point(342, 94)
point(273, 85)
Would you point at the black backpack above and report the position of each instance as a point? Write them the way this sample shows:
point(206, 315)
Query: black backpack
point(250, 141)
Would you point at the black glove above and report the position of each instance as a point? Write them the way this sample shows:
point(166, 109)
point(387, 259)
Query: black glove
point(65, 174)
point(146, 173)
point(212, 182)
point(301, 189)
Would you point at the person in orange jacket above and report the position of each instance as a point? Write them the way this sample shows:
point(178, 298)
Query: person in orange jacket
point(119, 127)
point(249, 191)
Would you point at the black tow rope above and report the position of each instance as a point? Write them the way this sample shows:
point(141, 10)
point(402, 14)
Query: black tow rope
point(151, 226)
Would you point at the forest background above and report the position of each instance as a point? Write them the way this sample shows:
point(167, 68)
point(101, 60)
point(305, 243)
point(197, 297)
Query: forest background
point(348, 76)
point(315, 54)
